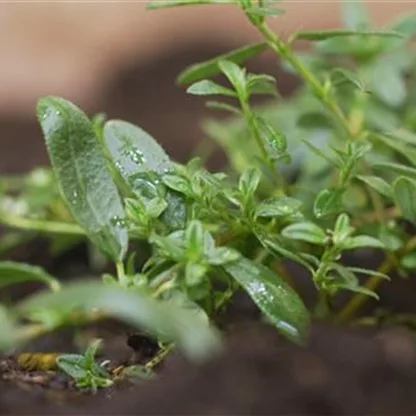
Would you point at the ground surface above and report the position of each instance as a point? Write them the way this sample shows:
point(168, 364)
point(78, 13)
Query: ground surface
point(340, 373)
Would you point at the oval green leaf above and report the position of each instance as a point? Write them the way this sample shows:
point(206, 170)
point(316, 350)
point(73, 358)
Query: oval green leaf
point(279, 207)
point(305, 231)
point(83, 175)
point(208, 87)
point(362, 241)
point(12, 273)
point(274, 141)
point(134, 151)
point(166, 321)
point(210, 68)
point(327, 202)
point(275, 298)
point(397, 168)
point(377, 183)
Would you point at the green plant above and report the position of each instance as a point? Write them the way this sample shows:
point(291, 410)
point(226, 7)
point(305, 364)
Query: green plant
point(87, 374)
point(330, 170)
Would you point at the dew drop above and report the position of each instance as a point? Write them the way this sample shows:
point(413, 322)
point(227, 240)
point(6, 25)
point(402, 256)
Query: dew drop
point(118, 222)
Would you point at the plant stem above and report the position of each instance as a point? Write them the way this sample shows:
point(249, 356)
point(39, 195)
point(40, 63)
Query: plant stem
point(40, 226)
point(249, 116)
point(359, 300)
point(320, 90)
point(121, 274)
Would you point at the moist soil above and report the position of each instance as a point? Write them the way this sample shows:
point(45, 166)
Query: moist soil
point(342, 371)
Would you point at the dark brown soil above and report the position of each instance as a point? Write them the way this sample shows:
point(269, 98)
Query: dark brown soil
point(340, 373)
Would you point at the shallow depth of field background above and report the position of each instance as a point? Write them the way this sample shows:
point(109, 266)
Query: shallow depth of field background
point(118, 58)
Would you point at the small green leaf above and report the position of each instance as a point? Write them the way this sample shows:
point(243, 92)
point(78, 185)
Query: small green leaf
point(169, 322)
point(236, 76)
point(405, 197)
point(278, 207)
point(210, 68)
point(397, 168)
point(342, 229)
point(265, 11)
point(178, 183)
point(261, 85)
point(319, 152)
point(208, 87)
point(155, 207)
point(340, 76)
point(249, 182)
point(274, 297)
point(223, 106)
point(222, 255)
point(194, 236)
point(346, 275)
point(278, 250)
point(163, 4)
point(368, 272)
point(134, 152)
point(403, 135)
point(274, 141)
point(357, 289)
point(176, 213)
point(73, 365)
point(83, 175)
point(194, 273)
point(12, 273)
point(305, 231)
point(327, 202)
point(362, 241)
point(347, 281)
point(398, 146)
point(378, 184)
point(329, 34)
point(173, 245)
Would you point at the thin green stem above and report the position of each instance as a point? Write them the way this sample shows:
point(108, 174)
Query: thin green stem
point(320, 90)
point(359, 300)
point(121, 274)
point(40, 226)
point(249, 116)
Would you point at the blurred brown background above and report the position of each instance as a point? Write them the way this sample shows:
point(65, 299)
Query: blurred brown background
point(119, 58)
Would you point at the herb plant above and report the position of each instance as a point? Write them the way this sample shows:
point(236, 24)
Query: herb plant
point(330, 170)
point(84, 369)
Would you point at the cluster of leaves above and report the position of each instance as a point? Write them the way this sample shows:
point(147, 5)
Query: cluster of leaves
point(84, 369)
point(330, 170)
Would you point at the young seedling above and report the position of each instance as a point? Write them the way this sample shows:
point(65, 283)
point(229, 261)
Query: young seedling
point(86, 372)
